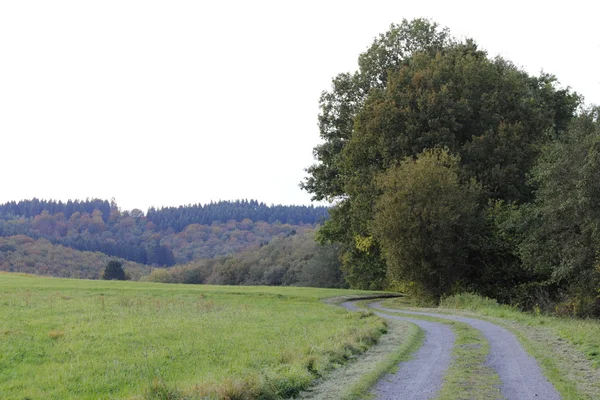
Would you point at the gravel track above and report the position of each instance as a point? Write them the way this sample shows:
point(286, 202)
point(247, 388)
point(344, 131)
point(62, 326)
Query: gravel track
point(519, 373)
point(420, 378)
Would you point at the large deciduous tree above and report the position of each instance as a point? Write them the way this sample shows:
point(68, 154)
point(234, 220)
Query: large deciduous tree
point(427, 221)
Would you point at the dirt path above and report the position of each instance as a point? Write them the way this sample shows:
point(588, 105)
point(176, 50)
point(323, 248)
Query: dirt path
point(519, 373)
point(420, 378)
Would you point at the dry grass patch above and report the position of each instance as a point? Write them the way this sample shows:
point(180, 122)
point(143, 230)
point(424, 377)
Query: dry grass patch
point(56, 334)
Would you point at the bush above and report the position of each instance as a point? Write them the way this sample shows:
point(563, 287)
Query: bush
point(114, 271)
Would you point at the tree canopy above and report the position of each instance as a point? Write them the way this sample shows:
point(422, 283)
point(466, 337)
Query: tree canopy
point(560, 230)
point(427, 221)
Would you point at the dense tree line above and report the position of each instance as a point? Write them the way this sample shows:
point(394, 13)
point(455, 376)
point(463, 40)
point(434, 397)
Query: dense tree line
point(451, 171)
point(178, 218)
point(175, 218)
point(33, 207)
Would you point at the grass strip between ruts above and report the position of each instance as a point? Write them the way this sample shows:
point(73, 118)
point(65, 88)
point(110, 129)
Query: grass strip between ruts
point(467, 377)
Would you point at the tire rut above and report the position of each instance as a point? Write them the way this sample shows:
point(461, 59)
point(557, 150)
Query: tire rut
point(520, 374)
point(422, 377)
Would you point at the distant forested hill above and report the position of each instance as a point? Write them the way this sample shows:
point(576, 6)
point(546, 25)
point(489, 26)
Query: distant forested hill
point(164, 236)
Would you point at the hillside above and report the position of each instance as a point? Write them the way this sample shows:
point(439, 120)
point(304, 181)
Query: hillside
point(40, 257)
point(164, 236)
point(293, 260)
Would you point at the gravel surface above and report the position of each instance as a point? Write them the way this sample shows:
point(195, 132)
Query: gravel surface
point(420, 378)
point(519, 372)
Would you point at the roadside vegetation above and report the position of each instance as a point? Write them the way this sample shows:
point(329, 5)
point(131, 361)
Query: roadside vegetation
point(83, 339)
point(449, 172)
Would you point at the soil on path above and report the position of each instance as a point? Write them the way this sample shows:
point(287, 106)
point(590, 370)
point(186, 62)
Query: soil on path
point(519, 373)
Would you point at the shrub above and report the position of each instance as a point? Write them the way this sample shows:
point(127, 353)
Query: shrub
point(114, 271)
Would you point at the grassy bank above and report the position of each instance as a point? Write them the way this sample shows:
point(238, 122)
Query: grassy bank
point(568, 349)
point(81, 339)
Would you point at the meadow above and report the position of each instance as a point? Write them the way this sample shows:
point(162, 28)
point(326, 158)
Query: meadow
point(84, 339)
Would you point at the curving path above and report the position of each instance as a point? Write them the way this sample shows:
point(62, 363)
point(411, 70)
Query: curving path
point(519, 373)
point(420, 378)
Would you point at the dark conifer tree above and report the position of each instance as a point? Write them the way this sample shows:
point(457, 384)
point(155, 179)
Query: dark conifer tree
point(114, 271)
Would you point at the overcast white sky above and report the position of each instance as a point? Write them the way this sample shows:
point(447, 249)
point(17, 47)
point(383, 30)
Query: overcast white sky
point(178, 102)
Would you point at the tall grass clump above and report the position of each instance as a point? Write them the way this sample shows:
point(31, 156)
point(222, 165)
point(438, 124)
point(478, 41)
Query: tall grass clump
point(471, 302)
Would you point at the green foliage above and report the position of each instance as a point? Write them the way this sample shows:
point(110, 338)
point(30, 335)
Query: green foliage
point(365, 271)
point(323, 269)
point(349, 91)
point(418, 89)
point(561, 232)
point(363, 267)
point(501, 273)
point(177, 218)
point(427, 222)
point(114, 271)
point(195, 272)
point(328, 179)
point(135, 235)
point(74, 339)
point(443, 100)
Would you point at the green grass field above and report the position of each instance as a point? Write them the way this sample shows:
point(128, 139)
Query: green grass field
point(62, 339)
